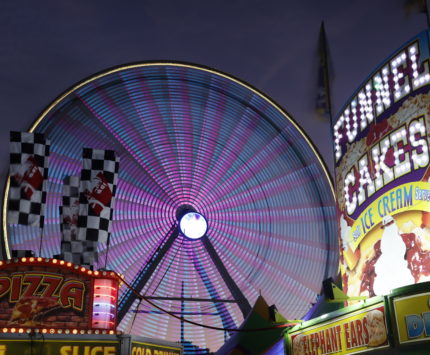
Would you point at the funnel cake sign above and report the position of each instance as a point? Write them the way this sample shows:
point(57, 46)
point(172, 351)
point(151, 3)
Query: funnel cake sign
point(381, 143)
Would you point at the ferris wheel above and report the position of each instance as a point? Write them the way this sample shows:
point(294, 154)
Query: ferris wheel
point(220, 198)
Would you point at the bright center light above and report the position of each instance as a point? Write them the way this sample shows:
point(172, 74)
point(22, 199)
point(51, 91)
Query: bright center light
point(193, 225)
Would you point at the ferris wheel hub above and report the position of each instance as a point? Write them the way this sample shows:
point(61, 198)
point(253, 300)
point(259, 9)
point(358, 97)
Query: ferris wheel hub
point(191, 223)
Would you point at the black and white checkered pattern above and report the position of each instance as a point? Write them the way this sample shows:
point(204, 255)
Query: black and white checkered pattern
point(69, 212)
point(97, 191)
point(19, 253)
point(90, 254)
point(80, 252)
point(28, 173)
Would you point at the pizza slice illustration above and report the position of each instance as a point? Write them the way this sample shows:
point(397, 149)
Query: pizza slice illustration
point(29, 311)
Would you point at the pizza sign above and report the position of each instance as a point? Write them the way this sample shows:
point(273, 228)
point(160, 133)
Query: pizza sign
point(41, 296)
point(33, 294)
point(50, 293)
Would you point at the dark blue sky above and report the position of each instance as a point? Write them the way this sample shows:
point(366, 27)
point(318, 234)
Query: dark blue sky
point(46, 47)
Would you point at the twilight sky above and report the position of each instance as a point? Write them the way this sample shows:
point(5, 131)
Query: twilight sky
point(46, 47)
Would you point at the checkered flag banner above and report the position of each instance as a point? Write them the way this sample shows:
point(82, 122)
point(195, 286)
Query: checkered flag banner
point(96, 194)
point(28, 178)
point(69, 211)
point(81, 252)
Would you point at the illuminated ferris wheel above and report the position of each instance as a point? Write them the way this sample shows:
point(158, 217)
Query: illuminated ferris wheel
point(220, 197)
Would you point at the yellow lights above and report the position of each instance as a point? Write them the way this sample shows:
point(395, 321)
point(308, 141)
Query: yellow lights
point(57, 262)
point(59, 331)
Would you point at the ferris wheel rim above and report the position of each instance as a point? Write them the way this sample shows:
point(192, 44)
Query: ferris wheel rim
point(122, 67)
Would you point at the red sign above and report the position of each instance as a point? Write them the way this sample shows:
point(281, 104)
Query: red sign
point(50, 293)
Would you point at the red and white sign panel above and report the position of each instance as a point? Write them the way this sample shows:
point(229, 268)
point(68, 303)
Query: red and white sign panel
point(49, 293)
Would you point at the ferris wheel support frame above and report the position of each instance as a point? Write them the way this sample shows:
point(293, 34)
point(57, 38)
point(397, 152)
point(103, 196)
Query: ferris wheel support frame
point(130, 295)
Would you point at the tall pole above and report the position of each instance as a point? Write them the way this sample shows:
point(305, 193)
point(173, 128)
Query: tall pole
point(426, 10)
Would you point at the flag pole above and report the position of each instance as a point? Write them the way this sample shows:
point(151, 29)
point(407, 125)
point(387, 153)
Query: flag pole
point(417, 6)
point(324, 104)
point(327, 77)
point(426, 10)
point(107, 250)
point(41, 242)
point(324, 67)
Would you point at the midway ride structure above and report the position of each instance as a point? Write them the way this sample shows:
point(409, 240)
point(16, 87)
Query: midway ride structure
point(195, 145)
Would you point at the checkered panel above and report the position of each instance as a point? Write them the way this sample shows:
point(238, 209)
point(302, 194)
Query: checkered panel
point(69, 212)
point(19, 253)
point(97, 191)
point(28, 173)
point(79, 252)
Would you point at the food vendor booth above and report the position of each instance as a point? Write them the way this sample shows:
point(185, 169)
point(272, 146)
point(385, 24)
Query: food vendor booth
point(50, 306)
point(398, 323)
point(382, 174)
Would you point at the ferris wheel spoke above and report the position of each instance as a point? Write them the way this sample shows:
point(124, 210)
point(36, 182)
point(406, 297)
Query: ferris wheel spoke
point(221, 308)
point(125, 143)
